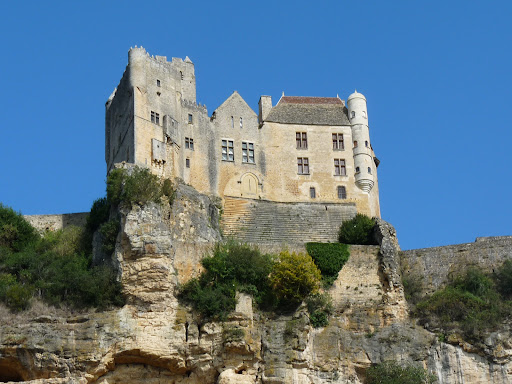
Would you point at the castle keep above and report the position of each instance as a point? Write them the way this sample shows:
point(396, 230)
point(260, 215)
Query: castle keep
point(306, 161)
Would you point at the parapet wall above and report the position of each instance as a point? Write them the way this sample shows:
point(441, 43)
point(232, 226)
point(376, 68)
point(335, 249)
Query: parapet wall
point(434, 266)
point(55, 222)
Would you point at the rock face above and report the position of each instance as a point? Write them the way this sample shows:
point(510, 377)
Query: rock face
point(154, 339)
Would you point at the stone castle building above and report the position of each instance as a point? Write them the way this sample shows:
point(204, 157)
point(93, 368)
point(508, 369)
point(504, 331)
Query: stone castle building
point(295, 169)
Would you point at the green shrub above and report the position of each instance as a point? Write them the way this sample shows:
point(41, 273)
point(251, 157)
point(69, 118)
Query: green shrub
point(294, 277)
point(329, 258)
point(504, 279)
point(109, 231)
point(390, 372)
point(319, 307)
point(412, 287)
point(358, 230)
point(233, 334)
point(470, 303)
point(232, 267)
point(16, 233)
point(212, 301)
point(137, 186)
point(169, 190)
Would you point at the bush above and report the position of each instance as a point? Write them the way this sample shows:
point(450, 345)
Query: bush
point(329, 258)
point(232, 267)
point(319, 308)
point(504, 279)
point(138, 186)
point(469, 303)
point(390, 372)
point(109, 231)
point(357, 231)
point(16, 233)
point(294, 277)
point(412, 287)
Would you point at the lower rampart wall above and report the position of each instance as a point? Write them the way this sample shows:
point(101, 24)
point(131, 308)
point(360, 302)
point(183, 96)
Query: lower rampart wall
point(434, 266)
point(55, 222)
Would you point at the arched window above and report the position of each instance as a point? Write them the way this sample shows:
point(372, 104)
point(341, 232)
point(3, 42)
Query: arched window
point(342, 192)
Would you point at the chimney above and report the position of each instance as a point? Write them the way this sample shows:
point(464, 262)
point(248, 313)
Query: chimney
point(265, 105)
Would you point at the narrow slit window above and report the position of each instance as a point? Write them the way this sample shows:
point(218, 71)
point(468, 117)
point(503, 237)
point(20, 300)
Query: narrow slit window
point(241, 123)
point(190, 118)
point(370, 170)
point(187, 163)
point(312, 192)
point(157, 83)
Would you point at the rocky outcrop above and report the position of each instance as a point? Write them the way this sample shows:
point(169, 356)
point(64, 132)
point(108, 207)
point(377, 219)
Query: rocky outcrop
point(154, 339)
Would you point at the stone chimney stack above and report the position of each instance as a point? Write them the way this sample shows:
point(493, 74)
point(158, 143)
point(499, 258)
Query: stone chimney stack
point(265, 105)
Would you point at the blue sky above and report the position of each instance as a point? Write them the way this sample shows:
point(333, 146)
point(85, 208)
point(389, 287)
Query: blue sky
point(436, 74)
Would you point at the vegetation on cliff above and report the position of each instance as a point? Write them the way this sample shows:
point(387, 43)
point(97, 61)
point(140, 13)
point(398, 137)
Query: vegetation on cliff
point(329, 258)
point(275, 281)
point(390, 372)
point(358, 230)
point(472, 304)
point(52, 267)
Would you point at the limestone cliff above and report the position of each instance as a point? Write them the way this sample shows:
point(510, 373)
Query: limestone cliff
point(154, 339)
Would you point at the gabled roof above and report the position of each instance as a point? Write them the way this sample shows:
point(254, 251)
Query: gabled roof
point(234, 96)
point(309, 111)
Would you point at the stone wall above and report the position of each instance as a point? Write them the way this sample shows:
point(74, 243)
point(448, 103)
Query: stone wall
point(434, 266)
point(262, 221)
point(55, 222)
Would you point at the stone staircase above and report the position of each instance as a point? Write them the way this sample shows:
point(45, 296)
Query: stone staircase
point(262, 221)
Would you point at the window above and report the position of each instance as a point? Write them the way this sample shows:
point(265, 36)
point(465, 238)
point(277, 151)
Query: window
point(302, 140)
point(247, 152)
point(339, 167)
point(157, 83)
point(190, 118)
point(364, 114)
point(303, 165)
point(187, 163)
point(241, 123)
point(366, 143)
point(357, 169)
point(312, 192)
point(342, 192)
point(337, 141)
point(189, 143)
point(228, 153)
point(355, 144)
point(369, 170)
point(232, 122)
point(353, 114)
point(181, 74)
point(155, 117)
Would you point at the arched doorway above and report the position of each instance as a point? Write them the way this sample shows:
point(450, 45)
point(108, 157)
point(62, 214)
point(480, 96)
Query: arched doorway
point(249, 185)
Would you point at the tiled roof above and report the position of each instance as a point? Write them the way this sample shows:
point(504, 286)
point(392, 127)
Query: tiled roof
point(309, 111)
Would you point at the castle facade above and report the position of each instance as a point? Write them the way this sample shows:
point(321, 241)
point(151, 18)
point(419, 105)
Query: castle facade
point(311, 151)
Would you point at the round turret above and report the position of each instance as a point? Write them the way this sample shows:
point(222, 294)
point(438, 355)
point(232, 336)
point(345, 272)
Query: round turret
point(363, 158)
point(136, 64)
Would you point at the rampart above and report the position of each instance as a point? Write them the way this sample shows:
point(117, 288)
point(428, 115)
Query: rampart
point(55, 222)
point(434, 266)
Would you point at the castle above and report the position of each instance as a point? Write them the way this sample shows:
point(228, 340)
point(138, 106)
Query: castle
point(305, 158)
